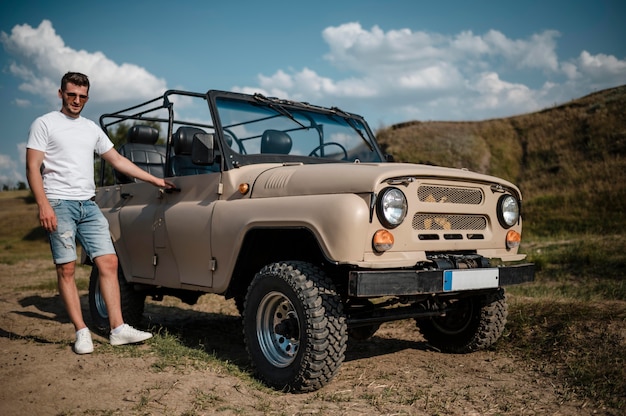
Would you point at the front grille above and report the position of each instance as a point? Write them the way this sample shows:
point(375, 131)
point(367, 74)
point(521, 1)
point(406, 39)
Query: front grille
point(449, 195)
point(449, 222)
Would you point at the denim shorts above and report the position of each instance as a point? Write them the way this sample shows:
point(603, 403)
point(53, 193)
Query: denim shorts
point(82, 221)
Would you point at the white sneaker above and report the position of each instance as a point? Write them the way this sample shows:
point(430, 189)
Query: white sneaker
point(128, 335)
point(83, 344)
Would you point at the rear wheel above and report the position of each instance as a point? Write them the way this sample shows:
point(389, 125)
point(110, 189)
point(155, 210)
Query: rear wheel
point(474, 323)
point(294, 327)
point(132, 302)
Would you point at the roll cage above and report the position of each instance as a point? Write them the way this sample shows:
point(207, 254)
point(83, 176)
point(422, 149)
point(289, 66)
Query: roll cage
point(249, 129)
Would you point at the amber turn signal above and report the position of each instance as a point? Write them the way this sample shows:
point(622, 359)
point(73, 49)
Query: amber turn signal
point(244, 188)
point(382, 241)
point(513, 239)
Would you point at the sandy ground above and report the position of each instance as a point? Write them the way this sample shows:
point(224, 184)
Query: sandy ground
point(394, 373)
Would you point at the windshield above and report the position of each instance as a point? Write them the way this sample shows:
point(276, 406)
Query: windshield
point(267, 127)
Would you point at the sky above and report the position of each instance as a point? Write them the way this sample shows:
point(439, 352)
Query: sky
point(390, 61)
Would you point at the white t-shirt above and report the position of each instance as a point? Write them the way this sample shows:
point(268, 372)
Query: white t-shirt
point(69, 145)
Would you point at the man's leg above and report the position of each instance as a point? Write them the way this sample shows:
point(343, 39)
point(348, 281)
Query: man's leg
point(69, 293)
point(110, 288)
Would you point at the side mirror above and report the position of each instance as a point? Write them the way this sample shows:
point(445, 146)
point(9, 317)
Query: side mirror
point(202, 149)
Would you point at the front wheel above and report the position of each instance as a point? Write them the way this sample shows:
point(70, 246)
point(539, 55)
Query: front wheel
point(132, 302)
point(294, 327)
point(474, 323)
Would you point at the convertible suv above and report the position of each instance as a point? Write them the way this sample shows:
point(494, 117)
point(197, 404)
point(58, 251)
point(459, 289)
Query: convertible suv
point(293, 211)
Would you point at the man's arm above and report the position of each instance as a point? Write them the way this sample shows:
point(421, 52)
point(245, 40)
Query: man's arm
point(34, 159)
point(122, 164)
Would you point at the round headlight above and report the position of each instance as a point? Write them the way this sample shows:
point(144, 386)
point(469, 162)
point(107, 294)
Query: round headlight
point(391, 207)
point(508, 211)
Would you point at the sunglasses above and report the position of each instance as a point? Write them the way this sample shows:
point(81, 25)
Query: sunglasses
point(73, 96)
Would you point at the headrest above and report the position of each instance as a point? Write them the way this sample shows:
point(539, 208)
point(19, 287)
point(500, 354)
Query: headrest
point(142, 134)
point(275, 141)
point(183, 138)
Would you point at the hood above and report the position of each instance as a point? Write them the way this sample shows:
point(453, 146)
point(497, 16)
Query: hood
point(291, 180)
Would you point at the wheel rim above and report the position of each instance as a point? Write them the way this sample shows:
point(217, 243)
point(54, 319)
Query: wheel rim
point(101, 306)
point(457, 320)
point(278, 329)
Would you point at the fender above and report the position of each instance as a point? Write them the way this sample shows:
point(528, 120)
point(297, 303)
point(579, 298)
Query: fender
point(341, 236)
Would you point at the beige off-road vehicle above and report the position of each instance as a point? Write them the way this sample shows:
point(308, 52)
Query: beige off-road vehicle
point(293, 210)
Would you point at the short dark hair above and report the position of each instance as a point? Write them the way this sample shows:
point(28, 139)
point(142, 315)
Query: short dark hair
point(75, 78)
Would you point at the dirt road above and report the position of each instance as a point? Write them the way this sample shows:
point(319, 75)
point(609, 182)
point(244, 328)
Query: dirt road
point(394, 373)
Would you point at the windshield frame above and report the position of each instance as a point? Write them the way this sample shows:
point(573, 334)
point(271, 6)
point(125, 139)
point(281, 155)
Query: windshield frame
point(293, 117)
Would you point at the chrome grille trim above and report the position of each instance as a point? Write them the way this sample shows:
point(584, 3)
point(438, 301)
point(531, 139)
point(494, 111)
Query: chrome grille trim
point(446, 222)
point(450, 195)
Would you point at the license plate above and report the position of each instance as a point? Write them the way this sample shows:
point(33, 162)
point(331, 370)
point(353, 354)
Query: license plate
point(470, 279)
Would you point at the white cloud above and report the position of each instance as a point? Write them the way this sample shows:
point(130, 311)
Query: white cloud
point(537, 52)
point(440, 76)
point(279, 80)
point(11, 172)
point(355, 48)
point(42, 58)
point(22, 103)
point(468, 43)
point(6, 161)
point(352, 47)
point(494, 93)
point(570, 70)
point(602, 66)
point(21, 150)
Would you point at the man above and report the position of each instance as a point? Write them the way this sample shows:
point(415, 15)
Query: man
point(60, 173)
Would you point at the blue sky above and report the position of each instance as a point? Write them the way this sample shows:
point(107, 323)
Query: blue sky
point(390, 61)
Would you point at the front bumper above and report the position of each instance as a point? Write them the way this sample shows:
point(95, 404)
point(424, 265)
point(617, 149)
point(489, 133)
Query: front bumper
point(372, 283)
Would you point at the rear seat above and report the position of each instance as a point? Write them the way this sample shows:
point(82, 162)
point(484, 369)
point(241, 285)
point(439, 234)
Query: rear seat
point(142, 150)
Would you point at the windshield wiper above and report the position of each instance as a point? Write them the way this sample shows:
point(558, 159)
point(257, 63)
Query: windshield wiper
point(350, 121)
point(278, 108)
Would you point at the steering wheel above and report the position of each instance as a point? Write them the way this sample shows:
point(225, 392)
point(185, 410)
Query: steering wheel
point(321, 146)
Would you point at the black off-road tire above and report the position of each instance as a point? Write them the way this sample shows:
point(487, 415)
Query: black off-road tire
point(294, 327)
point(476, 323)
point(132, 303)
point(239, 303)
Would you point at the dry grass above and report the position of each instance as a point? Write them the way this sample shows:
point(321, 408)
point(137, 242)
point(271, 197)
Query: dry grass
point(582, 344)
point(21, 236)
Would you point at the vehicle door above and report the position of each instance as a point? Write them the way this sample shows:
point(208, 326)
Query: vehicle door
point(140, 203)
point(183, 231)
